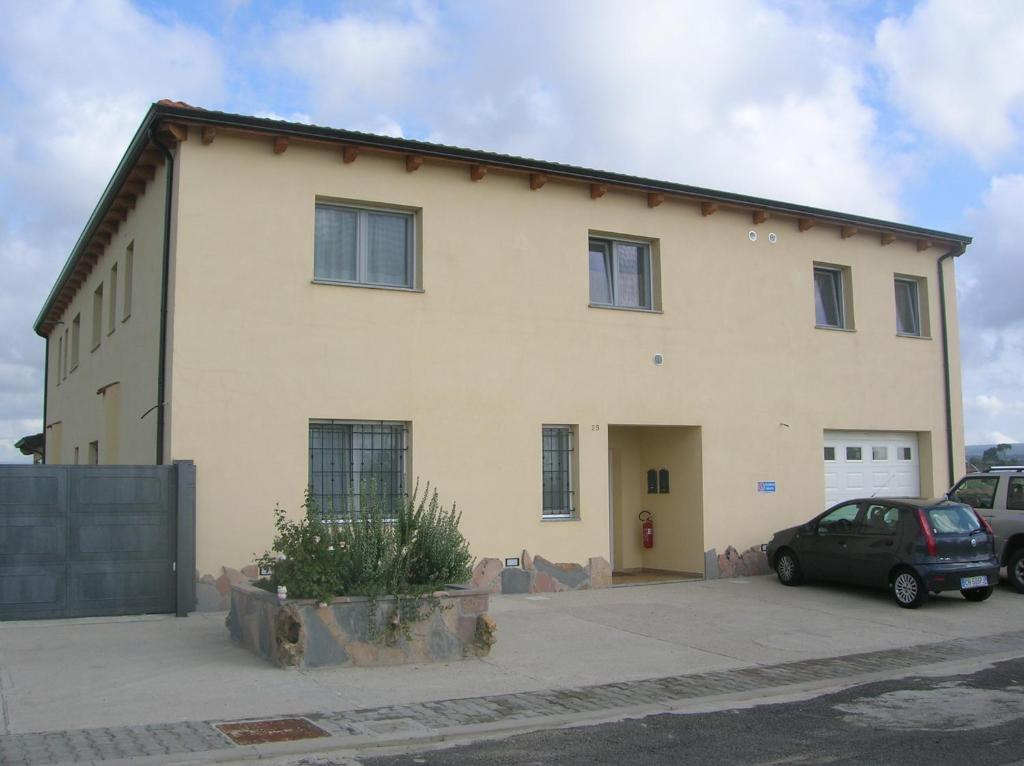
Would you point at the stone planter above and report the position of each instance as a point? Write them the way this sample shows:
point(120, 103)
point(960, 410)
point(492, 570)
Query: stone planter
point(299, 633)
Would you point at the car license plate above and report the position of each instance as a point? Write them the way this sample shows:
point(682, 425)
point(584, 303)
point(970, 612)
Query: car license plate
point(980, 581)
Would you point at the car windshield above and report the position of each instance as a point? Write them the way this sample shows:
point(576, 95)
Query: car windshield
point(953, 520)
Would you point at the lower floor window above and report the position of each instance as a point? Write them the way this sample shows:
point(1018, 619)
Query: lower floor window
point(557, 470)
point(350, 460)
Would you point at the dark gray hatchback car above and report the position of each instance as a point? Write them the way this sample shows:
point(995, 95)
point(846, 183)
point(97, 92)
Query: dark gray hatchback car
point(909, 547)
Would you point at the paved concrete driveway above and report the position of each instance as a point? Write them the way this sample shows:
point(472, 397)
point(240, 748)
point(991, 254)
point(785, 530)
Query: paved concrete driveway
point(115, 672)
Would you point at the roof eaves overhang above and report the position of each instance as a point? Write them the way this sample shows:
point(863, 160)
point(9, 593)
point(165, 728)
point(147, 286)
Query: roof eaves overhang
point(202, 117)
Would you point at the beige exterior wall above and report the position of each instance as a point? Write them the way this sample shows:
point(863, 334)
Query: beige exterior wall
point(126, 357)
point(501, 341)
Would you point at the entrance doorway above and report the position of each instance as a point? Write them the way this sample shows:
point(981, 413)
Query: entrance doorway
point(655, 469)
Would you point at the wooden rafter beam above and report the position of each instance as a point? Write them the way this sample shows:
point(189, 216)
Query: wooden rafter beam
point(598, 190)
point(349, 154)
point(413, 162)
point(708, 208)
point(280, 144)
point(805, 224)
point(209, 133)
point(102, 236)
point(148, 172)
point(537, 180)
point(135, 186)
point(760, 216)
point(922, 245)
point(120, 209)
point(887, 239)
point(847, 231)
point(654, 199)
point(176, 131)
point(152, 156)
point(476, 172)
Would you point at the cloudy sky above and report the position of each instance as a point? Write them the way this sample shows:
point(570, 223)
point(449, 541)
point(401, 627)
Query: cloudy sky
point(901, 110)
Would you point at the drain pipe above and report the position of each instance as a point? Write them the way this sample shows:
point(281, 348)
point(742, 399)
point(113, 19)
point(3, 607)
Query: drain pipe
point(162, 374)
point(955, 252)
point(46, 391)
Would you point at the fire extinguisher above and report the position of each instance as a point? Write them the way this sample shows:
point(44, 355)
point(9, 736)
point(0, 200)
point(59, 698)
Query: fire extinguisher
point(647, 527)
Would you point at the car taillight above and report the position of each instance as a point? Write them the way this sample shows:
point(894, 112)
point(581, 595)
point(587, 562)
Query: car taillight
point(984, 523)
point(926, 530)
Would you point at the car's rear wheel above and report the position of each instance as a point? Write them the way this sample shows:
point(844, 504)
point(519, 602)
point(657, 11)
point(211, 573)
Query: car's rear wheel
point(977, 594)
point(787, 567)
point(1015, 570)
point(908, 589)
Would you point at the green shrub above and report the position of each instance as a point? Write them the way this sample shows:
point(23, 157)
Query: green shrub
point(411, 551)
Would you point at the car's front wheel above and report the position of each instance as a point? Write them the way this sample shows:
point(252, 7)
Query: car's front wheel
point(1015, 570)
point(908, 589)
point(977, 594)
point(787, 567)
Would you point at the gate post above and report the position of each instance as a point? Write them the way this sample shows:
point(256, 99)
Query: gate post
point(185, 556)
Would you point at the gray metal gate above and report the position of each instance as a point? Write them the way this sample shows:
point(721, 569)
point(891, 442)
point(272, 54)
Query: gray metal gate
point(80, 541)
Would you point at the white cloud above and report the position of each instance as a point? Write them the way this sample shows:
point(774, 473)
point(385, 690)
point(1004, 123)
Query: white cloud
point(76, 79)
point(732, 95)
point(955, 68)
point(998, 437)
point(354, 65)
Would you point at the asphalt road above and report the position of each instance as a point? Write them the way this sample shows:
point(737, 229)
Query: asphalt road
point(975, 719)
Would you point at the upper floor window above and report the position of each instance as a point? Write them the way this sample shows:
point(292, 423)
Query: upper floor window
point(76, 339)
point(831, 285)
point(908, 307)
point(97, 317)
point(363, 246)
point(129, 265)
point(621, 274)
point(112, 303)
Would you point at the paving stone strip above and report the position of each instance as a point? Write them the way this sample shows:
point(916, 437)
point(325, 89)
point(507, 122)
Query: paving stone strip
point(433, 717)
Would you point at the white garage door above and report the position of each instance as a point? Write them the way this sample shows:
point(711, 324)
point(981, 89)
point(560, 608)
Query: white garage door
point(871, 463)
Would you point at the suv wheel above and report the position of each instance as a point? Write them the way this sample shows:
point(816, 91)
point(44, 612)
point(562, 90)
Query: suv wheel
point(788, 568)
point(1015, 570)
point(977, 594)
point(908, 589)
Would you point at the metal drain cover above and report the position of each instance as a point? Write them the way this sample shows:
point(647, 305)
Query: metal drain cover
point(274, 730)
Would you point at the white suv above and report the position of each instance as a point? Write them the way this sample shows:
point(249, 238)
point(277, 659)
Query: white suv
point(998, 495)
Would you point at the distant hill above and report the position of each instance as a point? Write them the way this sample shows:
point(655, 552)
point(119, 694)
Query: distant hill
point(976, 453)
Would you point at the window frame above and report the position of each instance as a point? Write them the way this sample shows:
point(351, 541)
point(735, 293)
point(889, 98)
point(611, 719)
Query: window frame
point(112, 303)
point(608, 243)
point(97, 317)
point(919, 301)
point(840, 277)
point(129, 267)
point(571, 512)
point(362, 211)
point(76, 341)
point(337, 425)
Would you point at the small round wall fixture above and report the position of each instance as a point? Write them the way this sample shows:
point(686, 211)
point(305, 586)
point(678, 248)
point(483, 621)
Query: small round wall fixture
point(658, 360)
point(773, 237)
point(752, 235)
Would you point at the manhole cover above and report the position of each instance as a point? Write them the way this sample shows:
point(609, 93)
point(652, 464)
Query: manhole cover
point(276, 730)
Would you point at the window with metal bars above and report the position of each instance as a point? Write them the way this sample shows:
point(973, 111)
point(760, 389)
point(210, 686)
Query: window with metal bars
point(348, 459)
point(557, 445)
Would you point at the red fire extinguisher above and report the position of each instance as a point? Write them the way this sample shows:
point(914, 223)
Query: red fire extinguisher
point(647, 527)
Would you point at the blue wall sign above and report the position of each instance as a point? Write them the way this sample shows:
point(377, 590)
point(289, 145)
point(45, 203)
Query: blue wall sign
point(766, 486)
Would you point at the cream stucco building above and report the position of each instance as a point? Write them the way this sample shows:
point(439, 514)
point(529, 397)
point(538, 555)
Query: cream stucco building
point(294, 306)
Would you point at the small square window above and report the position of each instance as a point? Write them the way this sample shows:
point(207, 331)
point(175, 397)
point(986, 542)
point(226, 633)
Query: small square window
point(853, 453)
point(879, 453)
point(908, 307)
point(620, 274)
point(832, 302)
point(830, 453)
point(363, 246)
point(904, 453)
point(558, 470)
